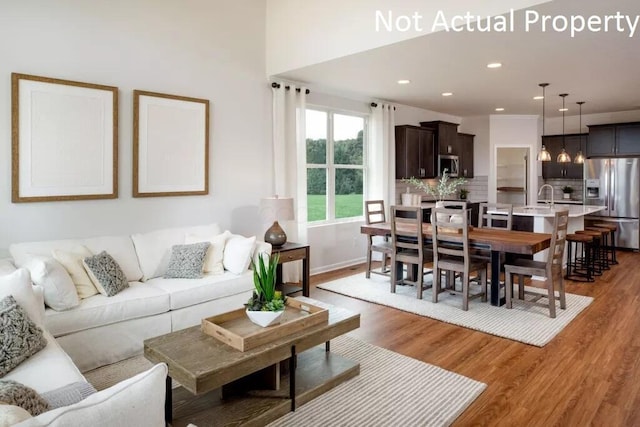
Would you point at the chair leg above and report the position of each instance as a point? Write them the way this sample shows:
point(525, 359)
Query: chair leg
point(508, 288)
point(419, 281)
point(368, 273)
point(563, 299)
point(385, 257)
point(465, 291)
point(483, 283)
point(435, 289)
point(394, 275)
point(521, 286)
point(552, 298)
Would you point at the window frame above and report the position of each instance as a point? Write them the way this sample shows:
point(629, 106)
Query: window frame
point(330, 190)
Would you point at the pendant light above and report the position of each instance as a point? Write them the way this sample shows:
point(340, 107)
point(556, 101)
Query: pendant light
point(563, 157)
point(543, 155)
point(579, 158)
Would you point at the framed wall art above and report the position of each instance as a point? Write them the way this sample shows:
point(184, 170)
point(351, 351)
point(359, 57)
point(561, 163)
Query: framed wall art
point(170, 145)
point(64, 140)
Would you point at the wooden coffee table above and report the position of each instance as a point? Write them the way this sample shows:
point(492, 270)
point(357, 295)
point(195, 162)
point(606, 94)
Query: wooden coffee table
point(209, 372)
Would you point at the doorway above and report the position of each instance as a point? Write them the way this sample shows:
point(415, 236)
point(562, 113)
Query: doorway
point(512, 175)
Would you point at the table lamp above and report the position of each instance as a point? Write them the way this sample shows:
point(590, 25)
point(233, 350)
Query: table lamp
point(273, 209)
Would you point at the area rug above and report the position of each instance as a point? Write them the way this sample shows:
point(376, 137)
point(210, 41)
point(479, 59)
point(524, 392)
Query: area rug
point(525, 323)
point(391, 389)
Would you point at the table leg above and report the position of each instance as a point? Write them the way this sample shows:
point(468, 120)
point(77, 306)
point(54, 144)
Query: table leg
point(305, 275)
point(168, 402)
point(327, 346)
point(495, 279)
point(292, 378)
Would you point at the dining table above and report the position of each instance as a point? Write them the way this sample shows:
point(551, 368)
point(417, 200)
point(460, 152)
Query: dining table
point(498, 241)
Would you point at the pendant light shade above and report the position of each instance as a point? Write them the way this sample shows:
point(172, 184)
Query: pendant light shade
point(579, 158)
point(563, 157)
point(543, 155)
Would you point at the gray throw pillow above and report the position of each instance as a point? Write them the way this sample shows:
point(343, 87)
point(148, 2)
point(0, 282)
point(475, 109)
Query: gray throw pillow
point(68, 394)
point(186, 261)
point(105, 273)
point(20, 337)
point(14, 393)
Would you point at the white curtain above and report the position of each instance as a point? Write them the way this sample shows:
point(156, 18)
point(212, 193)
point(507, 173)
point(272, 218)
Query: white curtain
point(381, 157)
point(289, 163)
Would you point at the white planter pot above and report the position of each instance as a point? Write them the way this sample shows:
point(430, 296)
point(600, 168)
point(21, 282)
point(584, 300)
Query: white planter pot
point(566, 195)
point(411, 199)
point(265, 318)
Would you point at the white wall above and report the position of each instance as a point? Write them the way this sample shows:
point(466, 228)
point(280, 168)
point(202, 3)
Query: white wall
point(199, 48)
point(480, 127)
point(301, 33)
point(407, 115)
point(553, 126)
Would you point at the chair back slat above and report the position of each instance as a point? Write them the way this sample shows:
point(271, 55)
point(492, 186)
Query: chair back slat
point(374, 212)
point(495, 216)
point(406, 230)
point(450, 238)
point(555, 257)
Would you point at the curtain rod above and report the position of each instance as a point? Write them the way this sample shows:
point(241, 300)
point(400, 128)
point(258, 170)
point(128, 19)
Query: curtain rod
point(277, 86)
point(374, 105)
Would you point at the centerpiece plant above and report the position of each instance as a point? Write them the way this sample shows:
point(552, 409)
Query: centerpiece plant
point(445, 186)
point(265, 297)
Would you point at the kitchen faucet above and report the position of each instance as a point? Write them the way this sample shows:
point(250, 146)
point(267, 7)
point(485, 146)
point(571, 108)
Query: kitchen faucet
point(550, 188)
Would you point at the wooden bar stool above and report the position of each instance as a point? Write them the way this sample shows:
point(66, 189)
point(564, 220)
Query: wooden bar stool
point(595, 248)
point(580, 268)
point(604, 242)
point(612, 239)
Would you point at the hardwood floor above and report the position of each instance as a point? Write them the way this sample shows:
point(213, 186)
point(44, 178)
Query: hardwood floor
point(588, 375)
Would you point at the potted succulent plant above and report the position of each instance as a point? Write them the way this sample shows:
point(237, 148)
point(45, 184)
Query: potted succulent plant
point(566, 192)
point(266, 305)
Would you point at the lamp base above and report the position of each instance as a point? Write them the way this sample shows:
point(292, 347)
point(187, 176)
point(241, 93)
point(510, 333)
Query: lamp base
point(275, 235)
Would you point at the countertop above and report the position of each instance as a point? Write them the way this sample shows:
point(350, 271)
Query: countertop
point(542, 211)
point(563, 202)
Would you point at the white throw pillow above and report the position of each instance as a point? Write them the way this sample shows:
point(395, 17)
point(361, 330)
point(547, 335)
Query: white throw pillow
point(6, 267)
point(11, 415)
point(18, 284)
point(213, 262)
point(237, 253)
point(72, 262)
point(59, 291)
point(137, 401)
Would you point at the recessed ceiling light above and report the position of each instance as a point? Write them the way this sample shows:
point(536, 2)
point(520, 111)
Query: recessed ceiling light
point(404, 82)
point(563, 109)
point(494, 65)
point(499, 109)
point(539, 97)
point(447, 93)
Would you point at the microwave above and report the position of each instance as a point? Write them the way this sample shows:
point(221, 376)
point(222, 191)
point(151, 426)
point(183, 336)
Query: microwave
point(449, 162)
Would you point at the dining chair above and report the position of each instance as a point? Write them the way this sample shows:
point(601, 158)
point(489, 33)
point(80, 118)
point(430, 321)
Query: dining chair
point(375, 214)
point(496, 216)
point(451, 254)
point(407, 239)
point(551, 270)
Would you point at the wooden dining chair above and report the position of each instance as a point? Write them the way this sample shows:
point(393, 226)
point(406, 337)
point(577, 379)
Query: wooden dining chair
point(551, 270)
point(451, 254)
point(375, 214)
point(408, 248)
point(496, 216)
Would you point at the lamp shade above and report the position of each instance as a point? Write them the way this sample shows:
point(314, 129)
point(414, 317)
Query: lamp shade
point(276, 208)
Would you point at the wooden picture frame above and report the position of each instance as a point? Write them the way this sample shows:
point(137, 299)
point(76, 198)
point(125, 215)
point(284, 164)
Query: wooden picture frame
point(64, 140)
point(170, 145)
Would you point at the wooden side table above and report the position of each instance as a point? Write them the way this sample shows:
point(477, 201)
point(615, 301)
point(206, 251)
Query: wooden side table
point(288, 252)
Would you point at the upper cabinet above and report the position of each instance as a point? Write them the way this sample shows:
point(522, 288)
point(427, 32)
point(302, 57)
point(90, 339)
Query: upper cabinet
point(415, 150)
point(446, 135)
point(621, 139)
point(553, 144)
point(465, 152)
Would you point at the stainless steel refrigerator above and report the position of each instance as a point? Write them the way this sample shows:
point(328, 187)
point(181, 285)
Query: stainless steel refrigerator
point(615, 183)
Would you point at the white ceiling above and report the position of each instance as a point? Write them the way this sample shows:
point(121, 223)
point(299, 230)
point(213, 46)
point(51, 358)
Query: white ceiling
point(602, 69)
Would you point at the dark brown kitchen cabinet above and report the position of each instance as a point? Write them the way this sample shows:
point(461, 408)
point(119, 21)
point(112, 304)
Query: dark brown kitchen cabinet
point(465, 152)
point(446, 136)
point(414, 152)
point(553, 144)
point(612, 140)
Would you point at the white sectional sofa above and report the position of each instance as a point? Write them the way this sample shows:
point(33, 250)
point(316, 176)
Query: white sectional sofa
point(103, 330)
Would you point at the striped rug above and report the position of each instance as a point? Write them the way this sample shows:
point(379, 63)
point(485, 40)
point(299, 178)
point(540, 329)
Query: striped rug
point(525, 323)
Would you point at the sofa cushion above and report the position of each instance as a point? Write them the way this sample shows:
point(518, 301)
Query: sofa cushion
point(137, 401)
point(186, 261)
point(59, 290)
point(119, 247)
point(18, 284)
point(213, 260)
point(105, 273)
point(14, 393)
point(68, 394)
point(154, 248)
point(187, 292)
point(39, 373)
point(20, 337)
point(71, 260)
point(138, 300)
point(237, 253)
point(11, 415)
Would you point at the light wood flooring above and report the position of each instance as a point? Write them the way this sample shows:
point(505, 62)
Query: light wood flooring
point(587, 375)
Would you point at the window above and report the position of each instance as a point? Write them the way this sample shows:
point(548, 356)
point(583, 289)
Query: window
point(335, 165)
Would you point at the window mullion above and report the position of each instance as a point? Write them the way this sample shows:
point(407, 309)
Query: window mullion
point(331, 174)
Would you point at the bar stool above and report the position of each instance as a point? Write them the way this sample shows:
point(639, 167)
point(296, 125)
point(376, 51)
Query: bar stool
point(605, 247)
point(580, 268)
point(596, 250)
point(612, 239)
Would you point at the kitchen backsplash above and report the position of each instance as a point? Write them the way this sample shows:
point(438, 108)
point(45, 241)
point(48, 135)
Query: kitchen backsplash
point(476, 186)
point(558, 184)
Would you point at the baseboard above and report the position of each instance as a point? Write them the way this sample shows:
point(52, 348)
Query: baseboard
point(338, 265)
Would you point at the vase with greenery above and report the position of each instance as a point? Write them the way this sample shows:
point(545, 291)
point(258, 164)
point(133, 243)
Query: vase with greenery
point(266, 305)
point(445, 187)
point(566, 192)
